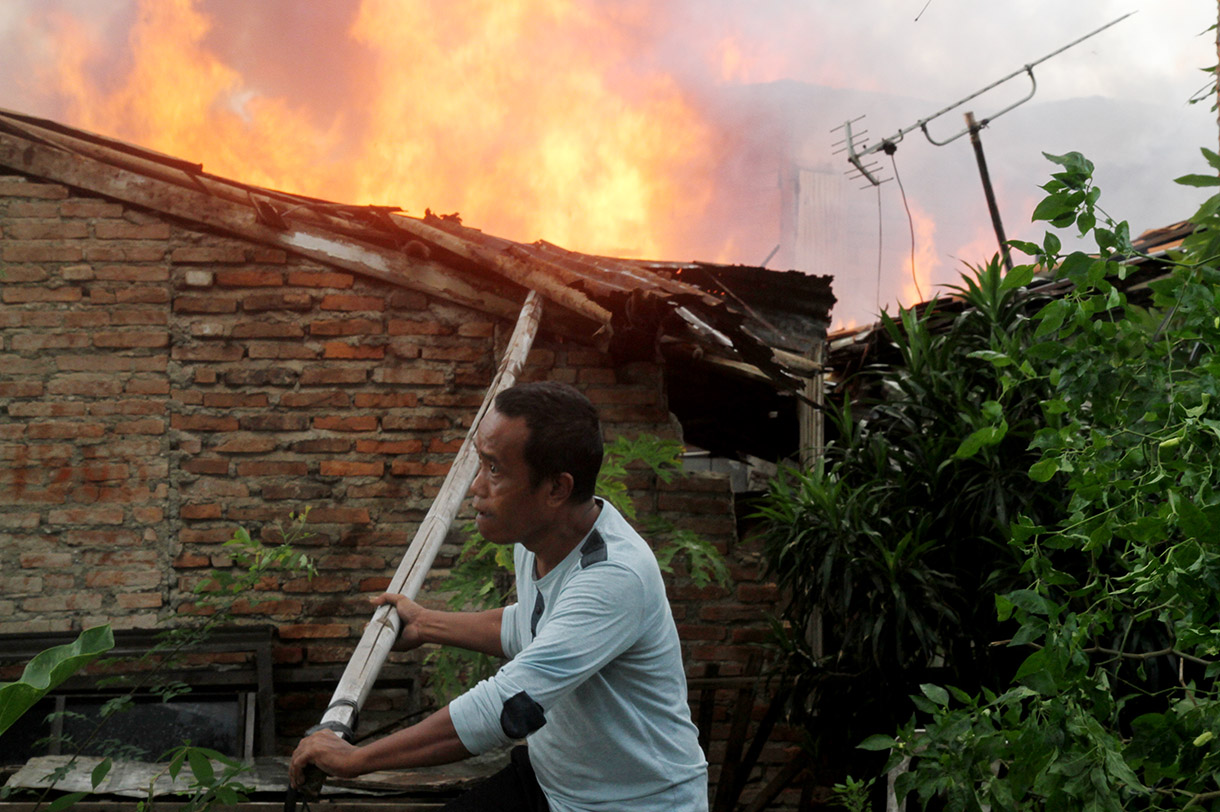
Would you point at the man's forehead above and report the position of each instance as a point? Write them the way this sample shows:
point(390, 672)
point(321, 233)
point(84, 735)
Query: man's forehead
point(498, 434)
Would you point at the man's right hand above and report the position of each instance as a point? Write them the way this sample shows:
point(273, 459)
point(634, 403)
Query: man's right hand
point(410, 613)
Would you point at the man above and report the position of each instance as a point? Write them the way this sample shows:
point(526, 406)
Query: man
point(595, 683)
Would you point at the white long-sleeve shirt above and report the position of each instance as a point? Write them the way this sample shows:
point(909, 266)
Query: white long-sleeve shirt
point(596, 660)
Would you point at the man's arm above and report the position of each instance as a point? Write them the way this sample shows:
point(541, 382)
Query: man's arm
point(474, 631)
point(432, 741)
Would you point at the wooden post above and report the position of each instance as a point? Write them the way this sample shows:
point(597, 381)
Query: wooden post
point(382, 631)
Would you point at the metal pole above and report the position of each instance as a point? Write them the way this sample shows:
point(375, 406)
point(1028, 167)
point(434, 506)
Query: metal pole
point(996, 223)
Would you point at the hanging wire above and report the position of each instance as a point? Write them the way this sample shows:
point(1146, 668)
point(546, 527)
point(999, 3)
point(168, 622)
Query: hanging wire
point(911, 223)
point(877, 298)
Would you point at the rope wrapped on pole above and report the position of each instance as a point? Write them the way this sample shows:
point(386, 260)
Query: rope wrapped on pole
point(382, 631)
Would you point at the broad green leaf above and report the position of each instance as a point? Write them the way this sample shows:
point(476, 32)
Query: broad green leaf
point(1198, 180)
point(201, 767)
point(936, 693)
point(48, 669)
point(1051, 317)
point(65, 801)
point(877, 742)
point(1043, 470)
point(100, 772)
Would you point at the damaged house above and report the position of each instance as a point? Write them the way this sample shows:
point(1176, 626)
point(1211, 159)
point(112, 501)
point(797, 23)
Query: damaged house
point(184, 354)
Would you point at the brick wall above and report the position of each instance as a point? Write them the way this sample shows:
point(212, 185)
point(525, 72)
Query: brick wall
point(161, 385)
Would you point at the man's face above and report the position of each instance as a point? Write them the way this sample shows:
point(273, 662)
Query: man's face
point(508, 509)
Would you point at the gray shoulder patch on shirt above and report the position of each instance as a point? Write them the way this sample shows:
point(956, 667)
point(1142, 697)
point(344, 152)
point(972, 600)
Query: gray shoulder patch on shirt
point(539, 607)
point(521, 716)
point(593, 550)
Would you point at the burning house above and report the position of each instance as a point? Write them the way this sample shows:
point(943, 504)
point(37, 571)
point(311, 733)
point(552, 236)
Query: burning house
point(185, 353)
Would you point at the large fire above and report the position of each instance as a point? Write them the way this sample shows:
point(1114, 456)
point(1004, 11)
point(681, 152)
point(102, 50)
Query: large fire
point(593, 155)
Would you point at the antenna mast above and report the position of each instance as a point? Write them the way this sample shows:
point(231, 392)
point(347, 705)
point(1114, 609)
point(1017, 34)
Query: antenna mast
point(859, 155)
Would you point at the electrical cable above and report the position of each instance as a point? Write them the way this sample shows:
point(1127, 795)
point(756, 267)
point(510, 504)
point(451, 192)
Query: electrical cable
point(880, 243)
point(911, 223)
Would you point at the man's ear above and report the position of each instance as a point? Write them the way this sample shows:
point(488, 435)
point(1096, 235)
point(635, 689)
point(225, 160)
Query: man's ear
point(561, 488)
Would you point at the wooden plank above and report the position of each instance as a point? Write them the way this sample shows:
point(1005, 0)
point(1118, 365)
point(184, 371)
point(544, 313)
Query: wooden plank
point(382, 631)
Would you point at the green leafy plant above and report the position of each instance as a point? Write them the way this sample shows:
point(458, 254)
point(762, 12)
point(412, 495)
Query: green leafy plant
point(893, 542)
point(1114, 702)
point(482, 576)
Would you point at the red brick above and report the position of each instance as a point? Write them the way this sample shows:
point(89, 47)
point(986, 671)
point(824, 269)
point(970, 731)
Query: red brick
point(350, 468)
point(142, 578)
point(200, 511)
point(46, 560)
point(139, 316)
point(132, 273)
point(332, 376)
point(100, 514)
point(249, 278)
point(274, 422)
point(118, 230)
point(412, 468)
point(131, 339)
point(430, 353)
point(386, 400)
point(208, 353)
point(445, 446)
point(351, 302)
point(33, 208)
point(281, 350)
point(146, 426)
point(37, 342)
point(267, 329)
point(314, 400)
point(476, 329)
point(292, 300)
point(345, 327)
point(139, 600)
point(85, 384)
point(419, 327)
point(21, 389)
point(246, 444)
point(97, 538)
point(313, 279)
point(323, 445)
point(399, 422)
point(340, 350)
point(90, 208)
point(208, 254)
point(409, 376)
point(55, 229)
point(202, 422)
point(272, 468)
point(40, 294)
point(126, 251)
point(24, 274)
point(141, 294)
point(204, 304)
point(234, 400)
point(389, 446)
point(338, 516)
point(337, 423)
point(187, 560)
point(65, 430)
point(207, 466)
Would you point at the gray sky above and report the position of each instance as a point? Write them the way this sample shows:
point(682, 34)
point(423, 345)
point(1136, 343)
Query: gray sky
point(632, 127)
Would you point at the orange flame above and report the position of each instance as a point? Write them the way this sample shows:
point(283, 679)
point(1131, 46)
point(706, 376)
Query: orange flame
point(520, 115)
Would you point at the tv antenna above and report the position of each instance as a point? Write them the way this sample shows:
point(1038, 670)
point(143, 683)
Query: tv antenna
point(864, 166)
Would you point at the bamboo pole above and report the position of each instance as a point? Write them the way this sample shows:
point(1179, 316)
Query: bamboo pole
point(382, 631)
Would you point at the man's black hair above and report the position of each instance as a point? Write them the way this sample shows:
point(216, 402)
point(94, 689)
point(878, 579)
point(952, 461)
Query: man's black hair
point(565, 435)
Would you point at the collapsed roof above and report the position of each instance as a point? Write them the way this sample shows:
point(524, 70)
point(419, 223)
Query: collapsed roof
point(746, 322)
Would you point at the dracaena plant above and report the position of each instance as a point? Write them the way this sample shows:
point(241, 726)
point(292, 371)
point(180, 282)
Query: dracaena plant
point(892, 544)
